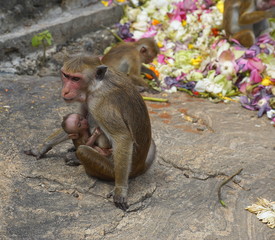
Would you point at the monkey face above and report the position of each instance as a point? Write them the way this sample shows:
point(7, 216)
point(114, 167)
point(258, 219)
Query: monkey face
point(73, 86)
point(76, 123)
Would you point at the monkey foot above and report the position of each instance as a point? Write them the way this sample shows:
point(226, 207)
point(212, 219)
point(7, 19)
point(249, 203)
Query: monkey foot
point(119, 201)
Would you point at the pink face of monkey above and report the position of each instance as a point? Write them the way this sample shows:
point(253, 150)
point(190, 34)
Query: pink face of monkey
point(76, 123)
point(265, 4)
point(74, 86)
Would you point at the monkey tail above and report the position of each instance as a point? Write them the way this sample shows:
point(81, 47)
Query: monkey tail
point(151, 155)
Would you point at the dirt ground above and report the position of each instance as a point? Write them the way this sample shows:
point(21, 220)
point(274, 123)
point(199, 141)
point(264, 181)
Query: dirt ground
point(199, 145)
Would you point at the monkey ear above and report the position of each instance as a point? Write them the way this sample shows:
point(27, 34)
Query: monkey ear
point(73, 136)
point(143, 49)
point(100, 72)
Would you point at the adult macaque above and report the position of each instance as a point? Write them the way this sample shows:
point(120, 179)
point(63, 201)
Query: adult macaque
point(244, 20)
point(78, 129)
point(128, 57)
point(125, 57)
point(119, 111)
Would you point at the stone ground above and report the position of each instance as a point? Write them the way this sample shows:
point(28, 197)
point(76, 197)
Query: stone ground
point(199, 145)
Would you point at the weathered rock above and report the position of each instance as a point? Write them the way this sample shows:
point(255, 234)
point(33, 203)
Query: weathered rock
point(175, 199)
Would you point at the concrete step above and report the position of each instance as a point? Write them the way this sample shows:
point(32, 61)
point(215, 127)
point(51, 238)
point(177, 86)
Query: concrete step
point(69, 24)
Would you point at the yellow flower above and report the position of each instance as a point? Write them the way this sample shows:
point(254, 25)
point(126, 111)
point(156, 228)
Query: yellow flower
point(196, 61)
point(121, 1)
point(184, 23)
point(105, 3)
point(266, 81)
point(160, 44)
point(190, 46)
point(220, 6)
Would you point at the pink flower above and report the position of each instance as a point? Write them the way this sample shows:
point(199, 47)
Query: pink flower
point(162, 59)
point(182, 8)
point(251, 64)
point(187, 5)
point(151, 32)
point(255, 76)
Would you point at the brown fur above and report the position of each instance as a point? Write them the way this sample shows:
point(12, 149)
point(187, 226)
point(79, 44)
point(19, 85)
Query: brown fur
point(119, 111)
point(127, 57)
point(243, 21)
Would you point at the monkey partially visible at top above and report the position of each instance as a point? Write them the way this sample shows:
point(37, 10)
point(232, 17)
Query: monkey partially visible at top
point(245, 20)
point(118, 110)
point(77, 128)
point(128, 57)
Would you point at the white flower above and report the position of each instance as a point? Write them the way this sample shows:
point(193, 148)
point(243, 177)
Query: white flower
point(159, 3)
point(173, 89)
point(138, 34)
point(132, 13)
point(270, 114)
point(227, 68)
point(135, 2)
point(143, 17)
point(141, 26)
point(270, 70)
point(175, 25)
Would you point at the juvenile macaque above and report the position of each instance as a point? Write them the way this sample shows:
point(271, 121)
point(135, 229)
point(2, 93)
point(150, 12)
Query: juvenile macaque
point(244, 20)
point(119, 111)
point(77, 128)
point(128, 57)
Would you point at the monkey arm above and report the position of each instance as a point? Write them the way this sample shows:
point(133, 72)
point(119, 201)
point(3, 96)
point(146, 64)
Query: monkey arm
point(54, 139)
point(144, 69)
point(93, 137)
point(253, 17)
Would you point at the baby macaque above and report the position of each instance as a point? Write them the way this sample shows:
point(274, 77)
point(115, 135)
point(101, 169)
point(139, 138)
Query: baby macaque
point(77, 128)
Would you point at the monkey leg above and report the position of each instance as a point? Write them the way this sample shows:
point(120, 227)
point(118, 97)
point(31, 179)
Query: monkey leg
point(245, 37)
point(95, 164)
point(54, 139)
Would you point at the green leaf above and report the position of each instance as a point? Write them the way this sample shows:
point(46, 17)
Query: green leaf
point(44, 38)
point(36, 41)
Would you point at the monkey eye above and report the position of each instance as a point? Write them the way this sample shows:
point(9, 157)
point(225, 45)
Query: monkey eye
point(75, 79)
point(65, 75)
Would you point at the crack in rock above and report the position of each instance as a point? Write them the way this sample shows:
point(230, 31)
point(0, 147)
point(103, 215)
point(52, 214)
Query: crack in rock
point(194, 174)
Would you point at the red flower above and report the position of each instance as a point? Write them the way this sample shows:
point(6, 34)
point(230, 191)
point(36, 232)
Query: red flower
point(215, 31)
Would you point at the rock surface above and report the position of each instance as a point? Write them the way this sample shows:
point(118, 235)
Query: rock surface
point(199, 145)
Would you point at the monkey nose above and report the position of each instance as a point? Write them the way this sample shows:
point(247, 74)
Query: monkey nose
point(67, 99)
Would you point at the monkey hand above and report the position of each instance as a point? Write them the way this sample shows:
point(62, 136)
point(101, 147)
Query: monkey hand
point(38, 153)
point(119, 195)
